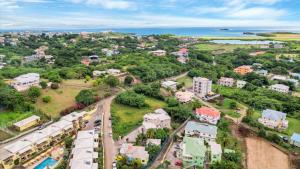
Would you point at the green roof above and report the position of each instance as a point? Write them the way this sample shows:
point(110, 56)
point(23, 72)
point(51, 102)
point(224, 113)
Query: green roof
point(194, 147)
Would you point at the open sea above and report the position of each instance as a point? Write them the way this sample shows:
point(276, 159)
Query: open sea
point(193, 31)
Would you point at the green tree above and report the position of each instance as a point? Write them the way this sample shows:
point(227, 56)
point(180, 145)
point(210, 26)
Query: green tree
point(85, 97)
point(54, 76)
point(34, 92)
point(233, 105)
point(153, 150)
point(112, 81)
point(46, 99)
point(43, 84)
point(128, 80)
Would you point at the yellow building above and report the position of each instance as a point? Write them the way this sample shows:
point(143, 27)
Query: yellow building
point(27, 123)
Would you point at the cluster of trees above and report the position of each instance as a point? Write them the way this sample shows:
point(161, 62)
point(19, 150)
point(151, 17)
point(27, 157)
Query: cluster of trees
point(152, 90)
point(126, 163)
point(131, 98)
point(86, 97)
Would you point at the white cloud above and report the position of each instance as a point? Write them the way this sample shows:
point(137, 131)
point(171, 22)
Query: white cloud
point(108, 4)
point(257, 12)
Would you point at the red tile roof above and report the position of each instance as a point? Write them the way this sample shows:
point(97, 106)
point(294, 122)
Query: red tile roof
point(207, 111)
point(183, 50)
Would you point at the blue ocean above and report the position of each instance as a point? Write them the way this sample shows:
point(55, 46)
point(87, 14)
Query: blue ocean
point(193, 31)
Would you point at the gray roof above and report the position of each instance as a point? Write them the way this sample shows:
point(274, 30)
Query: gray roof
point(193, 126)
point(273, 115)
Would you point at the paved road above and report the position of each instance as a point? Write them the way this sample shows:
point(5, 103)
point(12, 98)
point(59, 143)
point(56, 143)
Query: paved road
point(109, 146)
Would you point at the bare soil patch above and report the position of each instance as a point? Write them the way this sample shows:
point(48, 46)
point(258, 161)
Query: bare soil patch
point(262, 155)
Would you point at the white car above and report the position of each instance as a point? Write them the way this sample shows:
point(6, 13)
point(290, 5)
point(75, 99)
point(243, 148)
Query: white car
point(114, 165)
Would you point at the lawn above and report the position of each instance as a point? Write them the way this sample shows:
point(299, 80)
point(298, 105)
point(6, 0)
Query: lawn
point(225, 108)
point(294, 126)
point(188, 81)
point(225, 47)
point(8, 118)
point(61, 98)
point(126, 118)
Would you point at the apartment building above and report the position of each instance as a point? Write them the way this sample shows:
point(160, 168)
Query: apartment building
point(158, 119)
point(273, 119)
point(225, 81)
point(202, 86)
point(25, 81)
point(280, 88)
point(201, 130)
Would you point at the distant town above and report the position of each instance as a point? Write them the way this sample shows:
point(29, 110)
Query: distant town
point(113, 100)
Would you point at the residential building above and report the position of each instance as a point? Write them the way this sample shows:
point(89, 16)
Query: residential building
point(279, 77)
point(294, 81)
point(257, 53)
point(207, 114)
point(240, 83)
point(27, 123)
point(158, 53)
point(22, 149)
point(154, 142)
point(202, 86)
point(265, 46)
point(135, 152)
point(158, 119)
point(94, 59)
point(109, 52)
point(169, 85)
point(273, 119)
point(278, 46)
point(201, 130)
point(85, 61)
point(184, 96)
point(84, 152)
point(215, 152)
point(182, 59)
point(225, 81)
point(242, 70)
point(192, 152)
point(280, 88)
point(262, 72)
point(183, 52)
point(97, 73)
point(297, 75)
point(25, 81)
point(113, 72)
point(295, 139)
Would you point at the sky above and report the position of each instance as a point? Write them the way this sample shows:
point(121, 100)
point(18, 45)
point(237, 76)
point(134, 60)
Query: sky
point(68, 14)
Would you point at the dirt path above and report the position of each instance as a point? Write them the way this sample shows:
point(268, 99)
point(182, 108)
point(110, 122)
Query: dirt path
point(262, 155)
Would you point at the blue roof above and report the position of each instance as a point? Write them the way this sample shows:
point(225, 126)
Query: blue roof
point(273, 115)
point(193, 126)
point(296, 137)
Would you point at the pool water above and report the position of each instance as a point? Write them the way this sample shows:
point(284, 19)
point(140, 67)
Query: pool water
point(48, 162)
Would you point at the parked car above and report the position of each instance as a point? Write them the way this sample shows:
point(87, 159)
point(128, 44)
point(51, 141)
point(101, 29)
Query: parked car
point(41, 127)
point(178, 163)
point(114, 165)
point(97, 123)
point(86, 122)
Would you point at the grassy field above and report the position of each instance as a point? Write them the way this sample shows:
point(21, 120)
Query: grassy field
point(188, 81)
point(126, 118)
point(7, 118)
point(224, 47)
point(225, 108)
point(61, 98)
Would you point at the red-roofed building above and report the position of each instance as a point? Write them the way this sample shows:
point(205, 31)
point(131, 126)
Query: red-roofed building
point(208, 114)
point(183, 52)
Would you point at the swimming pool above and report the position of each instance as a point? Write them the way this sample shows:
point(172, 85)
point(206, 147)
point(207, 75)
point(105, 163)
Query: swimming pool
point(48, 162)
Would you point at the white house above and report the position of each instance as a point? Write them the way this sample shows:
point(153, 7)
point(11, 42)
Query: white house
point(202, 86)
point(240, 83)
point(201, 130)
point(113, 72)
point(169, 85)
point(184, 96)
point(225, 81)
point(158, 119)
point(158, 53)
point(207, 114)
point(135, 152)
point(97, 73)
point(295, 139)
point(25, 81)
point(280, 88)
point(273, 119)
